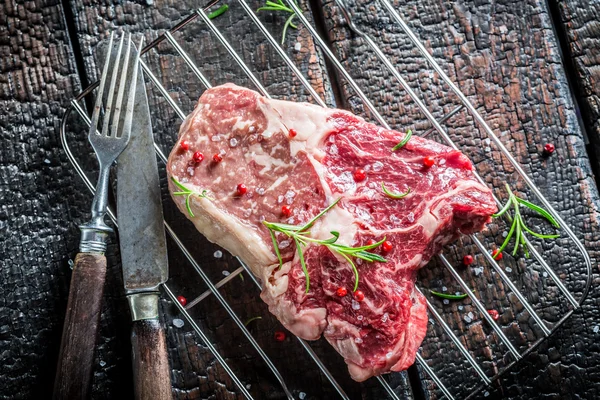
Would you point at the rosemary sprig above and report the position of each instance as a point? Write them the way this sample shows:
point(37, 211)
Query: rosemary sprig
point(392, 194)
point(404, 141)
point(449, 296)
point(188, 193)
point(218, 11)
point(299, 234)
point(518, 225)
point(280, 6)
point(251, 319)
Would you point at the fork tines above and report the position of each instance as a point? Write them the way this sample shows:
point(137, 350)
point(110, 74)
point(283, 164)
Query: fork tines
point(123, 77)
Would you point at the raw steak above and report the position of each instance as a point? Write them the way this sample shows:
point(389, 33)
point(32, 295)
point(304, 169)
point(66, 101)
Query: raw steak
point(305, 157)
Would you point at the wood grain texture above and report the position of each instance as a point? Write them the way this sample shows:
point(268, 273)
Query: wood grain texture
point(151, 372)
point(38, 194)
point(75, 360)
point(580, 31)
point(504, 57)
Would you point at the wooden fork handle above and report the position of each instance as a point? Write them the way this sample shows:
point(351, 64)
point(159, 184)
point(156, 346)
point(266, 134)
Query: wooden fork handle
point(76, 358)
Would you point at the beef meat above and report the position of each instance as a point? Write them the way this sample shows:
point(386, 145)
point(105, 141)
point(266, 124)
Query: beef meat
point(304, 157)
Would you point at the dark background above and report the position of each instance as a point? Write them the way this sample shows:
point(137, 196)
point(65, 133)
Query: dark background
point(530, 67)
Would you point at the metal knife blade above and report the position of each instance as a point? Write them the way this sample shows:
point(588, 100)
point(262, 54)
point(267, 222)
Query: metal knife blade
point(139, 207)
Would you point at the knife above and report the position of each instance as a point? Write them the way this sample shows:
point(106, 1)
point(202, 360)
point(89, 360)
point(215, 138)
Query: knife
point(143, 252)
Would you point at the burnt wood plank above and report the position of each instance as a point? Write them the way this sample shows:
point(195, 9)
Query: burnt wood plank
point(39, 195)
point(195, 373)
point(577, 24)
point(505, 58)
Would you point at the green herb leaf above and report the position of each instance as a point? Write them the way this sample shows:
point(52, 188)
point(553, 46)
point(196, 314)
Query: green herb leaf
point(281, 7)
point(310, 223)
point(336, 236)
point(404, 141)
point(449, 296)
point(518, 226)
point(188, 193)
point(392, 194)
point(300, 236)
point(219, 11)
point(540, 211)
point(251, 319)
point(276, 247)
point(303, 264)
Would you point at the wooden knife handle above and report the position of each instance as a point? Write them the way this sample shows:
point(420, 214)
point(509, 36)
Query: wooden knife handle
point(75, 361)
point(151, 374)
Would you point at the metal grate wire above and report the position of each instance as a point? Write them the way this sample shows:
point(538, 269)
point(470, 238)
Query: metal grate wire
point(213, 288)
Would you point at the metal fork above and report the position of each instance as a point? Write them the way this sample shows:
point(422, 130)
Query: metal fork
point(74, 371)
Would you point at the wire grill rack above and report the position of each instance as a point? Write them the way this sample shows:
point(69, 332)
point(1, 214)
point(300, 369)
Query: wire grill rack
point(511, 352)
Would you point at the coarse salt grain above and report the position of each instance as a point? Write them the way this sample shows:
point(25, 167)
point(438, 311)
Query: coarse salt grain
point(444, 289)
point(178, 323)
point(283, 244)
point(102, 363)
point(446, 301)
point(297, 47)
point(358, 340)
point(260, 191)
point(233, 142)
point(389, 354)
point(471, 315)
point(596, 329)
point(216, 138)
point(508, 269)
point(226, 273)
point(377, 166)
point(301, 395)
point(355, 305)
point(467, 319)
point(218, 254)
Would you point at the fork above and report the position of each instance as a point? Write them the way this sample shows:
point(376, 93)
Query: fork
point(74, 370)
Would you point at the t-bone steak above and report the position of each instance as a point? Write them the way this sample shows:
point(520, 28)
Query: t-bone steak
point(295, 159)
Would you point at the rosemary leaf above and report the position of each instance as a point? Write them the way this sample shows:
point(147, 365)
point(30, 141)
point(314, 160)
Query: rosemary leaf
point(540, 211)
point(404, 141)
point(251, 319)
point(300, 236)
point(392, 194)
point(449, 296)
point(303, 264)
point(219, 11)
point(518, 226)
point(188, 193)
